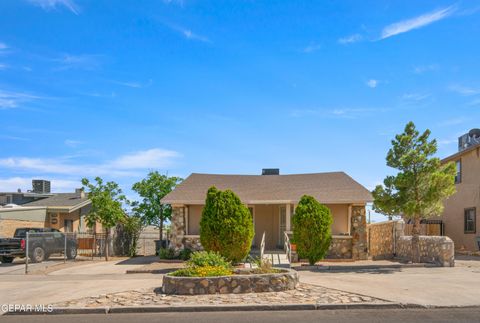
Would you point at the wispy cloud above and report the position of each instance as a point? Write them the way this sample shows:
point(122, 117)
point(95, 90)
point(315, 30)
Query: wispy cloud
point(49, 5)
point(125, 165)
point(312, 47)
point(372, 83)
point(12, 99)
point(342, 113)
point(181, 3)
point(8, 137)
point(3, 46)
point(84, 61)
point(453, 122)
point(415, 96)
point(3, 66)
point(474, 102)
point(188, 34)
point(446, 142)
point(464, 90)
point(134, 84)
point(425, 68)
point(350, 39)
point(417, 22)
point(72, 143)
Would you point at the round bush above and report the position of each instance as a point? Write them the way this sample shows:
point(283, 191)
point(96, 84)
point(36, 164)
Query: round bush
point(312, 229)
point(226, 225)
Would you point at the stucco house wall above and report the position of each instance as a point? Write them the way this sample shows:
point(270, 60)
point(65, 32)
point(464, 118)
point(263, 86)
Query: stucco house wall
point(467, 196)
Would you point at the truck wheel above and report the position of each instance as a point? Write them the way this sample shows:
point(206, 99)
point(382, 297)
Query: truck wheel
point(72, 252)
point(6, 260)
point(38, 254)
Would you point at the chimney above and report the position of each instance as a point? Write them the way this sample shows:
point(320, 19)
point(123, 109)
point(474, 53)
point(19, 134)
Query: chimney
point(271, 171)
point(19, 190)
point(80, 193)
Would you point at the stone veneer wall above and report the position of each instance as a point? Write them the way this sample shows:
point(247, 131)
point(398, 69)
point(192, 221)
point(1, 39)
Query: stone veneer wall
point(340, 248)
point(177, 231)
point(433, 249)
point(382, 238)
point(359, 233)
point(235, 284)
point(192, 243)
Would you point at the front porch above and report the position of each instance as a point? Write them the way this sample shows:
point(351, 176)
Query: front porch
point(348, 228)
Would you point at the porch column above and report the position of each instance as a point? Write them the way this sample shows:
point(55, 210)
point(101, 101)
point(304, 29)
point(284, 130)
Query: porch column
point(186, 220)
point(287, 216)
point(349, 222)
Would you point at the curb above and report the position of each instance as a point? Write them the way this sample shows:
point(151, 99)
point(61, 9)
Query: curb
point(221, 308)
point(354, 268)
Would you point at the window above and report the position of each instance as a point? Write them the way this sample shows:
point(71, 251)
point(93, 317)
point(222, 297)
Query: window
point(470, 220)
point(458, 175)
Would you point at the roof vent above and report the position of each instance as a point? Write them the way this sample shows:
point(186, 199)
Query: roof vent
point(472, 138)
point(271, 171)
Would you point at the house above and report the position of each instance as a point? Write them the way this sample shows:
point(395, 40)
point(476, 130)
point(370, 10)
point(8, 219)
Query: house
point(63, 211)
point(271, 199)
point(459, 217)
point(66, 211)
point(41, 190)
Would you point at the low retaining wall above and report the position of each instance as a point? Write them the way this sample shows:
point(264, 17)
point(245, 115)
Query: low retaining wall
point(340, 248)
point(433, 249)
point(236, 284)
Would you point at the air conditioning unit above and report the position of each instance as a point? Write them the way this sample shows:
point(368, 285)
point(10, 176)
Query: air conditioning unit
point(472, 138)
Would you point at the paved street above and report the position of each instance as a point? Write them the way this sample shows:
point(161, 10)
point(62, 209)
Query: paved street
point(338, 316)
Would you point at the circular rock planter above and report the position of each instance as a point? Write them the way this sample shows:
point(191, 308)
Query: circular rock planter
point(240, 282)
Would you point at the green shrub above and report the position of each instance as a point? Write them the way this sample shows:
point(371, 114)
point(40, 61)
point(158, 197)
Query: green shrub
point(185, 254)
point(166, 253)
point(312, 229)
point(205, 271)
point(226, 225)
point(207, 258)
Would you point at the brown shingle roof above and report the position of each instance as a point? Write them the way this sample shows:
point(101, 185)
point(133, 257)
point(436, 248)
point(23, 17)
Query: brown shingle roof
point(59, 200)
point(334, 188)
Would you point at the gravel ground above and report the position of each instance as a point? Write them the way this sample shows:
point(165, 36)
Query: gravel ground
point(304, 294)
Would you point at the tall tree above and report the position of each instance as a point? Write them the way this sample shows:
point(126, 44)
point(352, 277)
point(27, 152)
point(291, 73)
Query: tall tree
point(152, 189)
point(106, 207)
point(421, 185)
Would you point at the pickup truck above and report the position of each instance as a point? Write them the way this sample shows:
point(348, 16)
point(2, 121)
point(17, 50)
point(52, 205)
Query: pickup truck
point(42, 242)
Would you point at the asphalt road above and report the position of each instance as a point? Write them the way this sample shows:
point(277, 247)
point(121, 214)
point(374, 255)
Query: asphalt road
point(357, 316)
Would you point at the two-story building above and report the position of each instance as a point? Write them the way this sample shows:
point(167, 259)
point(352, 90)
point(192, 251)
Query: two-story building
point(461, 209)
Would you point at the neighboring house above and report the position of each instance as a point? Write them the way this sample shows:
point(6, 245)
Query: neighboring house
point(271, 199)
point(460, 215)
point(66, 211)
point(63, 211)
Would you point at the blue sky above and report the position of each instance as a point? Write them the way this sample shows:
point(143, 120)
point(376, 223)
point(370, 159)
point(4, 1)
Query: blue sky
point(115, 88)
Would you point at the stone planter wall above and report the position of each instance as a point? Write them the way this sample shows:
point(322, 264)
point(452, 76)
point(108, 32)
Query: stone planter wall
point(433, 249)
point(235, 284)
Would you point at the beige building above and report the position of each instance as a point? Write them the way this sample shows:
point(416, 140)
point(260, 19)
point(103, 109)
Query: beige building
point(63, 211)
point(271, 200)
point(461, 209)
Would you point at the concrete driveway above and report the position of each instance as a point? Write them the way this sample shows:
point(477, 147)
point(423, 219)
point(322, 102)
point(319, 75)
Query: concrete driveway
point(458, 286)
point(69, 281)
